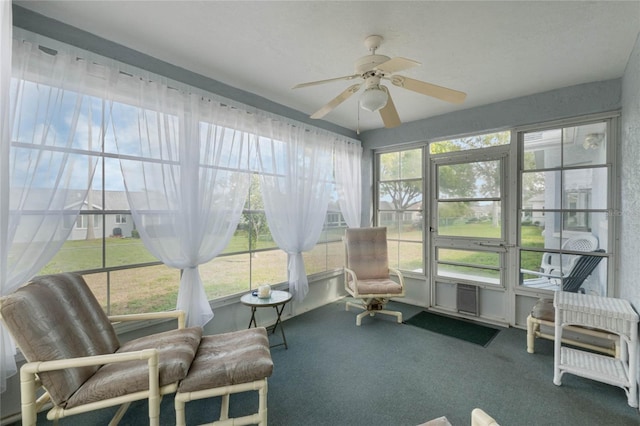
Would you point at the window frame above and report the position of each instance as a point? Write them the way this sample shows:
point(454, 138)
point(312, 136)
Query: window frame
point(612, 210)
point(393, 214)
point(101, 211)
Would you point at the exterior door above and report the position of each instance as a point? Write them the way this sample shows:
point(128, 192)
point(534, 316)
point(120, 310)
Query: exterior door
point(468, 233)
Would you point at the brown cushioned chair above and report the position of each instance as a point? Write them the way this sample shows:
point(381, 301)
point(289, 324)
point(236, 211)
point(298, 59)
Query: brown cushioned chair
point(72, 351)
point(367, 272)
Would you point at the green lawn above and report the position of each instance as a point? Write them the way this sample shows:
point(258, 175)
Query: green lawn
point(155, 288)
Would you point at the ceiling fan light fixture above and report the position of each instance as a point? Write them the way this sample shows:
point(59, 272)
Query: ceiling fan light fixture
point(373, 98)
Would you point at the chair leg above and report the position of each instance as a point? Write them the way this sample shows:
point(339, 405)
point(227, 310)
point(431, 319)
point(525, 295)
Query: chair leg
point(119, 414)
point(28, 398)
point(224, 407)
point(360, 316)
point(396, 314)
point(180, 417)
point(259, 417)
point(531, 325)
point(369, 310)
point(262, 404)
point(353, 305)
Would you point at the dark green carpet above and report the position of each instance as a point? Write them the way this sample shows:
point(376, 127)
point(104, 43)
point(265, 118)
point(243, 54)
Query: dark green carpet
point(458, 328)
point(387, 374)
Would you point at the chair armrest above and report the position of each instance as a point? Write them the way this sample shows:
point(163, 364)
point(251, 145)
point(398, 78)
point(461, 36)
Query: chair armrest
point(178, 314)
point(28, 375)
point(541, 274)
point(398, 274)
point(85, 361)
point(353, 278)
point(392, 271)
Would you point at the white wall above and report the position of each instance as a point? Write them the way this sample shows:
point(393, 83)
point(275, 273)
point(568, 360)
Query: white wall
point(629, 272)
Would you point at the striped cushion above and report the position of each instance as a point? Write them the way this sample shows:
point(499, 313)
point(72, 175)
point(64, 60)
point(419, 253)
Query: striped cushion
point(229, 359)
point(176, 349)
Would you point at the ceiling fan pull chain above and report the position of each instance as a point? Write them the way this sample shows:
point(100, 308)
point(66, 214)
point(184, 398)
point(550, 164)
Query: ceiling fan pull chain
point(358, 118)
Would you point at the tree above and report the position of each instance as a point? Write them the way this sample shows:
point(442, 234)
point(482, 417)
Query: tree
point(532, 183)
point(401, 178)
point(253, 216)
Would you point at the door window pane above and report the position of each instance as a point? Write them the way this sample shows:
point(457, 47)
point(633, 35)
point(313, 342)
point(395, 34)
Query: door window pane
point(469, 257)
point(469, 180)
point(470, 265)
point(476, 219)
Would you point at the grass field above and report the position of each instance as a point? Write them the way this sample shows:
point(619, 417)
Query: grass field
point(154, 288)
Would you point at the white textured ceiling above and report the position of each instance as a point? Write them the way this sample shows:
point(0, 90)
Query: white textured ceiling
point(491, 50)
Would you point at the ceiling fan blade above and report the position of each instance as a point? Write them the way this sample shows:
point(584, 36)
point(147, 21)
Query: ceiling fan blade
point(314, 83)
point(448, 95)
point(389, 113)
point(396, 64)
point(337, 101)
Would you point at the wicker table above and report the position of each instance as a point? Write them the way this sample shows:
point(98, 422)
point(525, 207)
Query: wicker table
point(605, 313)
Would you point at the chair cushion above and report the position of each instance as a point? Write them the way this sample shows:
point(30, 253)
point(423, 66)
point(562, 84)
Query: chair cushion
point(177, 349)
point(544, 310)
point(384, 286)
point(56, 317)
point(229, 359)
point(367, 252)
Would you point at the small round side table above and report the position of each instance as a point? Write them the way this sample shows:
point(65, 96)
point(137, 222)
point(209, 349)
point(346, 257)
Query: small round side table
point(278, 300)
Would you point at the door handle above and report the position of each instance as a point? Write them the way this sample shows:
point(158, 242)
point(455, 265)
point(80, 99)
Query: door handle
point(491, 244)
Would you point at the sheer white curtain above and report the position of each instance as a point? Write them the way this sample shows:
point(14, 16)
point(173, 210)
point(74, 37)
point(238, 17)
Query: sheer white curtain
point(296, 172)
point(48, 133)
point(7, 352)
point(348, 174)
point(186, 181)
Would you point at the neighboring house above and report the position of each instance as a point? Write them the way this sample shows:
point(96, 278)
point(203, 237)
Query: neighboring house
point(389, 215)
point(536, 204)
point(118, 225)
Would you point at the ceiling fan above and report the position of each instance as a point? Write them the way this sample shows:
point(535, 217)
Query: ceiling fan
point(376, 97)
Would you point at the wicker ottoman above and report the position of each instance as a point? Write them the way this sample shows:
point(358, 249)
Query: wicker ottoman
point(228, 363)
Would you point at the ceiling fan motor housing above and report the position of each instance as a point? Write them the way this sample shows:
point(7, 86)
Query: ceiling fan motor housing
point(369, 62)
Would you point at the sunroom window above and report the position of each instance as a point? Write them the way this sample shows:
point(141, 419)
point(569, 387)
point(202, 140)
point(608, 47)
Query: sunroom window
point(565, 200)
point(399, 207)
